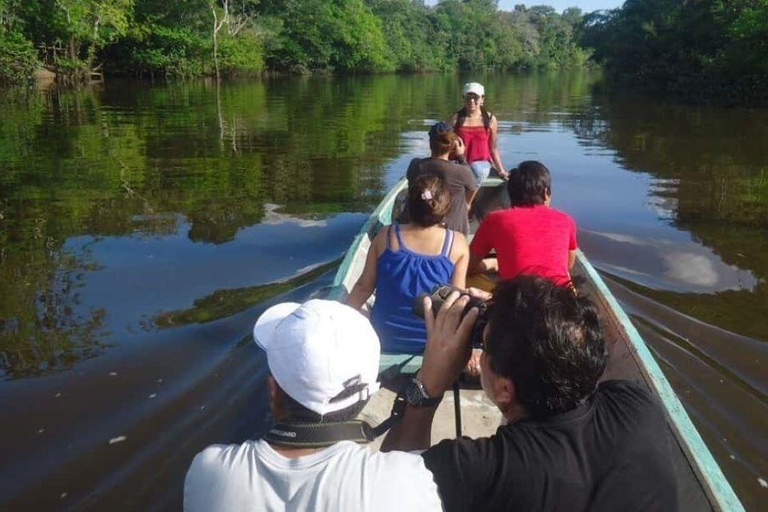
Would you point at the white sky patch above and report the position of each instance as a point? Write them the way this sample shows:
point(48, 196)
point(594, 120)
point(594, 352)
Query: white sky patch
point(693, 269)
point(271, 216)
point(624, 239)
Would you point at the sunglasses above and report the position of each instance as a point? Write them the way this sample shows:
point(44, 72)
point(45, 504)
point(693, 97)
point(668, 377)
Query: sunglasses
point(472, 97)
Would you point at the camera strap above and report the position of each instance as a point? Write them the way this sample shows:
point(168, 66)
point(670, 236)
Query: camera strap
point(321, 435)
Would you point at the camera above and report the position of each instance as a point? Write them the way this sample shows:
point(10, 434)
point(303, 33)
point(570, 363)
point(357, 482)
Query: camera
point(440, 294)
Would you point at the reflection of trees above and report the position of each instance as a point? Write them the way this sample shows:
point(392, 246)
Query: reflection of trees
point(131, 160)
point(41, 329)
point(717, 157)
point(225, 303)
point(712, 169)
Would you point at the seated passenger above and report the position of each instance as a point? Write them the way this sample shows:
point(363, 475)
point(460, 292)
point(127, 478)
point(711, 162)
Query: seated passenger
point(458, 178)
point(479, 130)
point(570, 443)
point(323, 362)
point(529, 237)
point(407, 260)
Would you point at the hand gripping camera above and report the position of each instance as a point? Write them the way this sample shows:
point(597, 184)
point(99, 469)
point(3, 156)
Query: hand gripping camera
point(439, 295)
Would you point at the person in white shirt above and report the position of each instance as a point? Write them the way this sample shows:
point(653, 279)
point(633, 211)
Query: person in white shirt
point(323, 358)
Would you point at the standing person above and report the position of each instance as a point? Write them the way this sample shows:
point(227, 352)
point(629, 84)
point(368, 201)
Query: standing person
point(529, 237)
point(569, 444)
point(479, 130)
point(323, 361)
point(458, 178)
point(407, 260)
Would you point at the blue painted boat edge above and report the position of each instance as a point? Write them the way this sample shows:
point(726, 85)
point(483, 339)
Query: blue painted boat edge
point(716, 486)
point(382, 211)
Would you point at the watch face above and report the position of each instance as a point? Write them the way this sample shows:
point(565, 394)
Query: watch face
point(413, 394)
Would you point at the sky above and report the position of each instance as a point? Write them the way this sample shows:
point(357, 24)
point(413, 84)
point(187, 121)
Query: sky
point(559, 5)
point(584, 5)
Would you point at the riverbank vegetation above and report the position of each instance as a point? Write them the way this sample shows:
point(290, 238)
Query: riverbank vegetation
point(185, 38)
point(701, 49)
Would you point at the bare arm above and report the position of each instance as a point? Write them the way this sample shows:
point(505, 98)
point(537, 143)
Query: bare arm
point(478, 265)
point(460, 257)
point(445, 354)
point(493, 141)
point(366, 284)
point(571, 259)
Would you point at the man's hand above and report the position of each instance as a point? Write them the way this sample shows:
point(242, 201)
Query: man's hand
point(473, 366)
point(447, 349)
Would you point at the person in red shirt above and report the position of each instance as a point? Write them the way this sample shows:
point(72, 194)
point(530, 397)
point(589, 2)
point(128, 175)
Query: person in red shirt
point(529, 237)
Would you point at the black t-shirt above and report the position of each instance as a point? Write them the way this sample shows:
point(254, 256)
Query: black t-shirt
point(458, 178)
point(610, 454)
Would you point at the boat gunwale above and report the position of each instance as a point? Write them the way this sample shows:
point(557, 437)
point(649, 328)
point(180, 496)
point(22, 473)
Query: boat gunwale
point(718, 490)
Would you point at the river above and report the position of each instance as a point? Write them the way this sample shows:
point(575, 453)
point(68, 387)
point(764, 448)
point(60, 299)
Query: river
point(143, 229)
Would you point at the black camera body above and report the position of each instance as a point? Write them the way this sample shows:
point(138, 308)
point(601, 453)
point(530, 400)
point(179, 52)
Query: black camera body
point(439, 295)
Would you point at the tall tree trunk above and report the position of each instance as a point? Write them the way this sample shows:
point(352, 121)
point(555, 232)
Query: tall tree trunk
point(216, 27)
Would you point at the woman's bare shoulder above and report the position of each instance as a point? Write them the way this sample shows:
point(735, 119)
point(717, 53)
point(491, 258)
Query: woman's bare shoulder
point(460, 245)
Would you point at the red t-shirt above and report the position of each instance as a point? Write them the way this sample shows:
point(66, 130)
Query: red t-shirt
point(528, 240)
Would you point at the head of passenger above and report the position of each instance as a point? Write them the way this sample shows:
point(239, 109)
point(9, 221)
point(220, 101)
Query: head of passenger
point(441, 139)
point(323, 359)
point(529, 184)
point(429, 200)
point(544, 348)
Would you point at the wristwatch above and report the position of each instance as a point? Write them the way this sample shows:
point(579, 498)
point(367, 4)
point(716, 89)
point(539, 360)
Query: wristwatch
point(417, 396)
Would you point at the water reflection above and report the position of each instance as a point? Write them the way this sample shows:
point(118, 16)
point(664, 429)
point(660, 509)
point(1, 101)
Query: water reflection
point(143, 228)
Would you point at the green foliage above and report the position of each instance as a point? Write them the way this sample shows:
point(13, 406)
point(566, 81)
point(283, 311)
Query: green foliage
point(188, 37)
point(243, 54)
point(702, 48)
point(18, 59)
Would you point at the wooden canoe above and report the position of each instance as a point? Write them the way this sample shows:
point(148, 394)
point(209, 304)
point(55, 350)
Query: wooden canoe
point(701, 483)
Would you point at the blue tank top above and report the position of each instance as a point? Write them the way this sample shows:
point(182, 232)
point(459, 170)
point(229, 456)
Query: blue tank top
point(402, 276)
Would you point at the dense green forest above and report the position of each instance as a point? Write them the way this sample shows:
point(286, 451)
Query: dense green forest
point(700, 48)
point(184, 38)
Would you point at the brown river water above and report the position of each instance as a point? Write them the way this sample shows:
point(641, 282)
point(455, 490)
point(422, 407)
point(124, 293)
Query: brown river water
point(143, 228)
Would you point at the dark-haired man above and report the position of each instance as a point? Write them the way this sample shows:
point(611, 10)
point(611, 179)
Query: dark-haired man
point(568, 444)
point(323, 360)
point(530, 237)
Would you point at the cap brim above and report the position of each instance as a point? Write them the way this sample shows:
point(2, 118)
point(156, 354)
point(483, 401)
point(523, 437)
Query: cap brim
point(268, 321)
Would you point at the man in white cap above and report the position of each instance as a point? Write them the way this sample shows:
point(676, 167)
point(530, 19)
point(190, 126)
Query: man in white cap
point(323, 359)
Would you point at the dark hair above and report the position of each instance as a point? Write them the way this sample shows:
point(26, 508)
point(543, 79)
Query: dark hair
point(429, 200)
point(441, 138)
point(461, 117)
point(294, 411)
point(529, 184)
point(548, 341)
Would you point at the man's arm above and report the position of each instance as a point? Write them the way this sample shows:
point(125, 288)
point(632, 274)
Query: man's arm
point(445, 355)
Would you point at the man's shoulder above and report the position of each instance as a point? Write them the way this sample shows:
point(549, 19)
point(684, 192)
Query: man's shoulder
point(219, 459)
point(554, 212)
point(401, 465)
point(633, 408)
point(626, 391)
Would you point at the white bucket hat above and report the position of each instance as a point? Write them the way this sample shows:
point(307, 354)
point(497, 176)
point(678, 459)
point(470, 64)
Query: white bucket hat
point(473, 88)
point(319, 349)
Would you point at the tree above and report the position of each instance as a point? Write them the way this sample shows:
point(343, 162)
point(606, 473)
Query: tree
point(91, 24)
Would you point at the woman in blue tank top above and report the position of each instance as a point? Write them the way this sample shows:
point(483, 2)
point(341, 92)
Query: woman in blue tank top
point(407, 260)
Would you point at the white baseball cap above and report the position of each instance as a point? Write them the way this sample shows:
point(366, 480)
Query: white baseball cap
point(473, 88)
point(319, 349)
